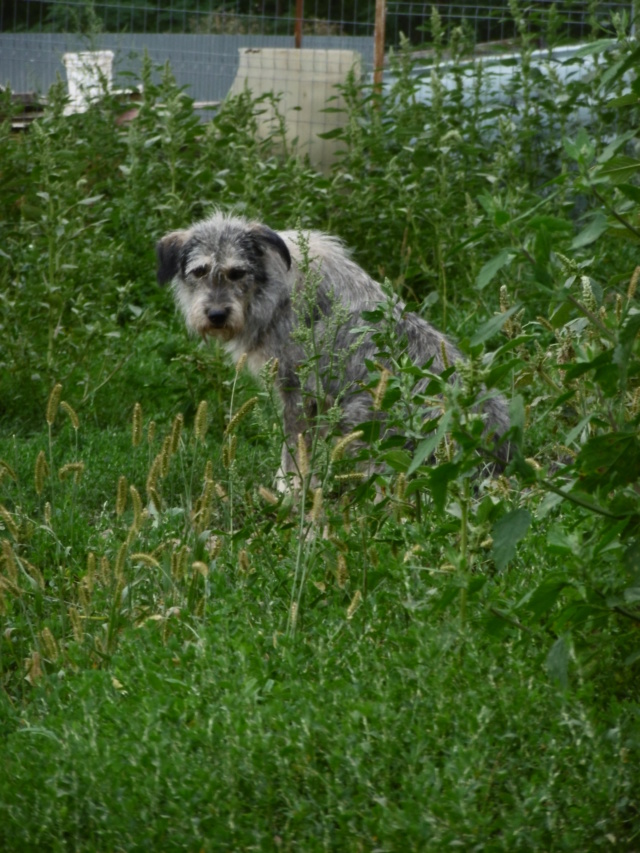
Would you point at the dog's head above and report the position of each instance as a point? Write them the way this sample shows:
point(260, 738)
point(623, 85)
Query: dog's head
point(224, 269)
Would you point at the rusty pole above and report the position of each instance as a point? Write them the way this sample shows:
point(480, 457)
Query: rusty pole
point(378, 44)
point(298, 24)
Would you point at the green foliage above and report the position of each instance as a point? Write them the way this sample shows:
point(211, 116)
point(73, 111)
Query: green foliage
point(411, 648)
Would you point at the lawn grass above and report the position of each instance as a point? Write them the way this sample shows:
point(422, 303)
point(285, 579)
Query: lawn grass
point(388, 730)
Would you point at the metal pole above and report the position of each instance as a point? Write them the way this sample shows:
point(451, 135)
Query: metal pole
point(298, 24)
point(378, 44)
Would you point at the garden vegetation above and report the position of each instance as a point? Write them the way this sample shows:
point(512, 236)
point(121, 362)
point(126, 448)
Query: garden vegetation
point(420, 659)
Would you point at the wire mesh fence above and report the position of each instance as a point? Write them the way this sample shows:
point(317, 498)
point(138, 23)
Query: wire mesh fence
point(216, 47)
point(485, 20)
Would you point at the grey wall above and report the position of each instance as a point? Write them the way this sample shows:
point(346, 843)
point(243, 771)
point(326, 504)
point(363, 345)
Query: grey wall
point(206, 64)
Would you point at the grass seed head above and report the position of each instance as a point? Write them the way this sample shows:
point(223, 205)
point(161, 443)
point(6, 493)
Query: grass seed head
point(75, 468)
point(155, 471)
point(270, 373)
point(73, 417)
point(155, 499)
point(633, 284)
point(9, 560)
point(122, 495)
point(338, 451)
point(316, 509)
point(244, 566)
point(176, 433)
point(381, 389)
point(229, 451)
point(53, 403)
point(151, 432)
point(240, 415)
point(200, 568)
point(34, 572)
point(588, 298)
point(504, 299)
point(76, 624)
point(241, 363)
point(544, 322)
point(8, 521)
point(200, 423)
point(355, 603)
point(33, 667)
point(165, 456)
point(342, 572)
point(136, 501)
point(268, 496)
point(7, 470)
point(104, 571)
point(619, 308)
point(41, 472)
point(85, 590)
point(214, 546)
point(179, 563)
point(136, 426)
point(351, 477)
point(445, 357)
point(120, 561)
point(48, 644)
point(146, 560)
point(303, 456)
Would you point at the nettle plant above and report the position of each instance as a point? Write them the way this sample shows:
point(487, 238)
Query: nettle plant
point(585, 381)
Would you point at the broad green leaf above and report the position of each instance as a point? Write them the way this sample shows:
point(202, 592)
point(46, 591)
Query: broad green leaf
point(428, 446)
point(558, 662)
point(439, 479)
point(551, 223)
point(543, 598)
point(631, 191)
point(615, 144)
point(492, 267)
point(397, 459)
point(609, 461)
point(628, 100)
point(580, 149)
point(599, 46)
point(507, 532)
point(491, 327)
point(620, 169)
point(590, 234)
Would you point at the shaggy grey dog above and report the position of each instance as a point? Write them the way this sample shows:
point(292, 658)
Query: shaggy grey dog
point(249, 286)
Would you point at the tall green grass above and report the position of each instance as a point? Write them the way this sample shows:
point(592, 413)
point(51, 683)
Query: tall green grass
point(423, 657)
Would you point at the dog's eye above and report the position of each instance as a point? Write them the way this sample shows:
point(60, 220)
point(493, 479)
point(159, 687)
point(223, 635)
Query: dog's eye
point(236, 273)
point(200, 272)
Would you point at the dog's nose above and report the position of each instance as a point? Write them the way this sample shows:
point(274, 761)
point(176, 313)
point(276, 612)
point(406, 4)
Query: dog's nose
point(217, 317)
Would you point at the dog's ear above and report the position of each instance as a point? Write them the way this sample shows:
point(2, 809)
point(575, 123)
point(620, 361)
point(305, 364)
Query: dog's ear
point(274, 241)
point(168, 253)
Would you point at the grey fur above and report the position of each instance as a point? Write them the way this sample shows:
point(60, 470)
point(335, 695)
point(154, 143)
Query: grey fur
point(241, 282)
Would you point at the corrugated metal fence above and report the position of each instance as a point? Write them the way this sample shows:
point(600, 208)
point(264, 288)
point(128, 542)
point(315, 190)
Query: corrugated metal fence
point(205, 64)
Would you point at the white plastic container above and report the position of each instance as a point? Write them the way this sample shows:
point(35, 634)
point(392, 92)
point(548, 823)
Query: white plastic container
point(305, 80)
point(89, 74)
